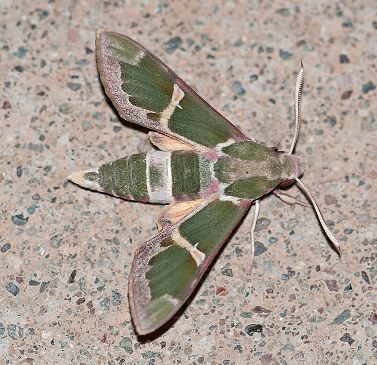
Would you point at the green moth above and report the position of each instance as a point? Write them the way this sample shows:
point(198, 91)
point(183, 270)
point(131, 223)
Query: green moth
point(206, 169)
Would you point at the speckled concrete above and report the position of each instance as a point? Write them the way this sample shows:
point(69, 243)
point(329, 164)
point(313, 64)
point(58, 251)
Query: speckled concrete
point(65, 252)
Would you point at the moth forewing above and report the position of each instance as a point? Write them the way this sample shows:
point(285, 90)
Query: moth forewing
point(207, 170)
point(145, 91)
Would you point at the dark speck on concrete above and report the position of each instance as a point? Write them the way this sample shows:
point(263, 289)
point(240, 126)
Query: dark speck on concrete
point(97, 115)
point(227, 272)
point(246, 314)
point(346, 314)
point(259, 248)
point(332, 285)
point(19, 171)
point(369, 86)
point(12, 331)
point(21, 52)
point(105, 302)
point(330, 199)
point(43, 14)
point(5, 247)
point(250, 329)
point(64, 108)
point(116, 294)
point(346, 95)
point(12, 288)
point(331, 120)
point(348, 288)
point(238, 89)
point(19, 219)
point(285, 277)
point(74, 86)
point(88, 50)
point(347, 24)
point(31, 209)
point(35, 147)
point(86, 125)
point(6, 105)
point(172, 44)
point(82, 62)
point(262, 223)
point(44, 286)
point(285, 55)
point(126, 344)
point(189, 42)
point(347, 338)
point(150, 355)
point(373, 318)
point(365, 277)
point(56, 241)
point(254, 77)
point(343, 58)
point(289, 224)
point(72, 277)
point(258, 309)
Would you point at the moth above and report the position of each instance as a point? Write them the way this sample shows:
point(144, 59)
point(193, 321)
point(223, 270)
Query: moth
point(206, 169)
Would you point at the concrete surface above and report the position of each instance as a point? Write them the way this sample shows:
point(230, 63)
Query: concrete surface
point(66, 252)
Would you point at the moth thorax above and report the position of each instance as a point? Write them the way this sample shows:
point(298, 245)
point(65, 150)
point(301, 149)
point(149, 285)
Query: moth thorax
point(291, 167)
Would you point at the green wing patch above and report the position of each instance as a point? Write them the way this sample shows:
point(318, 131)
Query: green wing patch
point(167, 268)
point(145, 91)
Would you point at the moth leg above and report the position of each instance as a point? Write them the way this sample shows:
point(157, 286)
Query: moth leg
point(255, 218)
point(289, 199)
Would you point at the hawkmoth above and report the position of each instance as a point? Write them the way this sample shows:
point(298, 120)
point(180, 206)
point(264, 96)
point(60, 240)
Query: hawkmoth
point(206, 169)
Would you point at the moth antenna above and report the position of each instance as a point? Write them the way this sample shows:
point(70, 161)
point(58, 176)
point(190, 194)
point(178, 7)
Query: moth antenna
point(298, 94)
point(319, 215)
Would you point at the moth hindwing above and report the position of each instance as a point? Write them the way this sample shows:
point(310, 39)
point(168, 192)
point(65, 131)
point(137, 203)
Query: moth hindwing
point(206, 169)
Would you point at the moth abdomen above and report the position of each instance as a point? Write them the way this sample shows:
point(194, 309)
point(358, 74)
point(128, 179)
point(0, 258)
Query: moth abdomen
point(156, 177)
point(125, 178)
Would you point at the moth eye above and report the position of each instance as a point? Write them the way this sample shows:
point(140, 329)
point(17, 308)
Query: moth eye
point(284, 184)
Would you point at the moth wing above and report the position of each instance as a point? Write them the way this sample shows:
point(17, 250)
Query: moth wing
point(168, 267)
point(147, 92)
